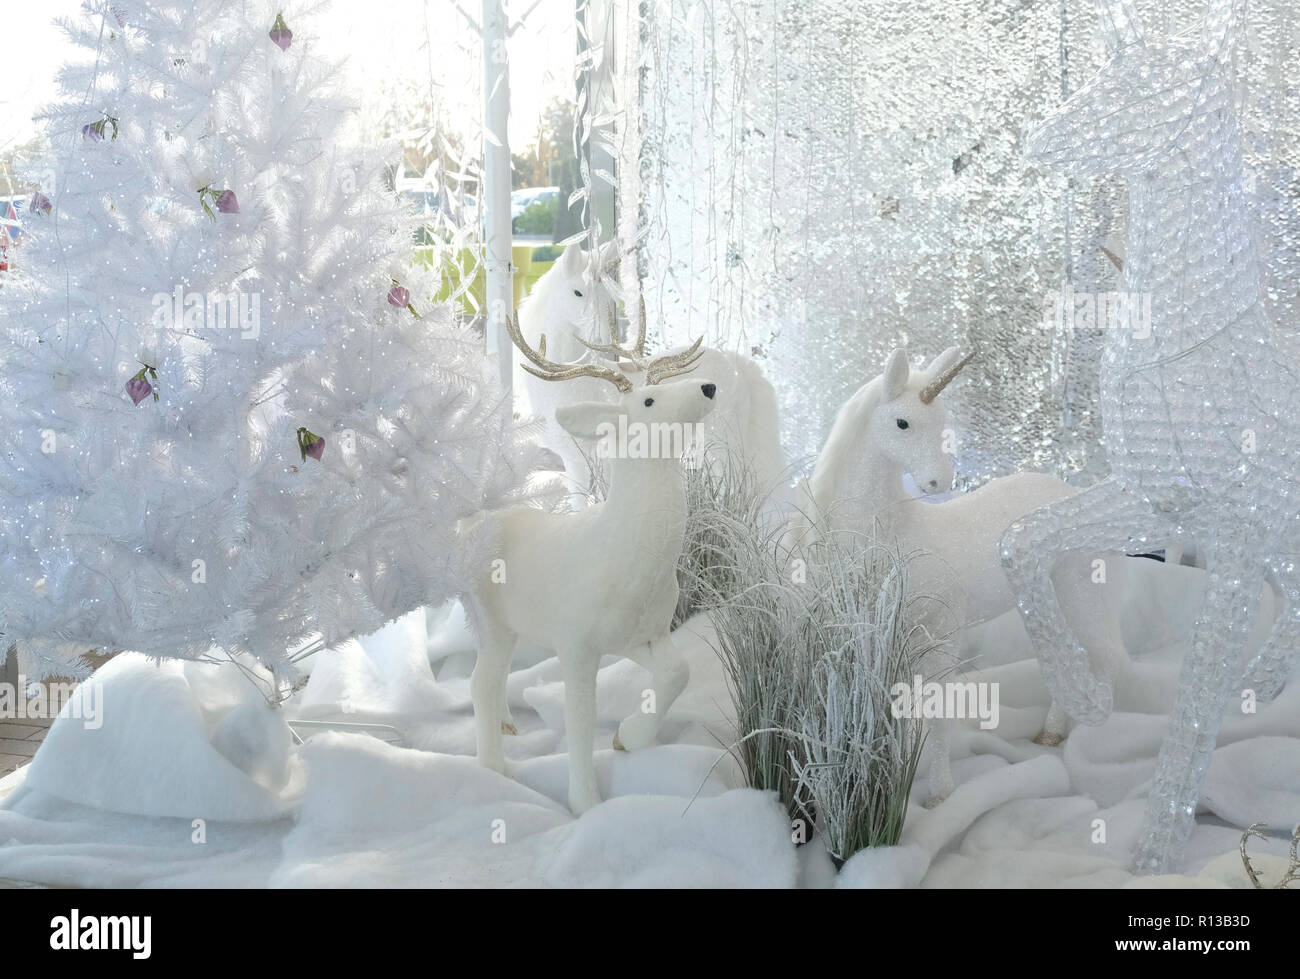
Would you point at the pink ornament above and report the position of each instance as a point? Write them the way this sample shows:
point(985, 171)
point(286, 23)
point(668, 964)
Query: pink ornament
point(316, 449)
point(399, 296)
point(227, 203)
point(280, 33)
point(139, 389)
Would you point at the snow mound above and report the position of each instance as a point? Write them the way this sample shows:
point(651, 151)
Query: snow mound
point(885, 866)
point(1255, 781)
point(376, 815)
point(388, 679)
point(680, 770)
point(151, 753)
point(739, 839)
point(361, 787)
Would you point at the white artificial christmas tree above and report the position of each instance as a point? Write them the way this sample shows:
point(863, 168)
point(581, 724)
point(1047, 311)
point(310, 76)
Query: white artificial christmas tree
point(232, 416)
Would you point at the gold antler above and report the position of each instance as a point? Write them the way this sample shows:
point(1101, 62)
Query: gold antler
point(549, 370)
point(931, 390)
point(670, 365)
point(658, 369)
point(1292, 872)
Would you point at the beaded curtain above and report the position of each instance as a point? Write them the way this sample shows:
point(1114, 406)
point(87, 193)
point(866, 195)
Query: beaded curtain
point(817, 182)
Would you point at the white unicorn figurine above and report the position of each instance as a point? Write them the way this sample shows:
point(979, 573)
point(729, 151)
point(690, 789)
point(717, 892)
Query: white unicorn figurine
point(570, 302)
point(1200, 413)
point(894, 425)
point(575, 307)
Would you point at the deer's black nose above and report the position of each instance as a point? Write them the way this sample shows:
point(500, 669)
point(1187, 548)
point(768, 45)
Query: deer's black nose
point(709, 390)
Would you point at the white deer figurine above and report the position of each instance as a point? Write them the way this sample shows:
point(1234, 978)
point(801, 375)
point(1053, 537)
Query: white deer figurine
point(1201, 413)
point(895, 424)
point(574, 304)
point(598, 581)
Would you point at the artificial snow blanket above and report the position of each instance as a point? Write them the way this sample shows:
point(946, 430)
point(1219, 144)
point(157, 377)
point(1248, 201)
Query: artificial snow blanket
point(191, 779)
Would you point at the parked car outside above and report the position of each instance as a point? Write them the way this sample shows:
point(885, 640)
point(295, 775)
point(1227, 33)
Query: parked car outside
point(520, 199)
point(532, 212)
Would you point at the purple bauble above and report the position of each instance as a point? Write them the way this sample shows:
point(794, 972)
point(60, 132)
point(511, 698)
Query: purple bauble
point(317, 448)
point(40, 204)
point(227, 202)
point(280, 33)
point(90, 132)
point(399, 297)
point(139, 389)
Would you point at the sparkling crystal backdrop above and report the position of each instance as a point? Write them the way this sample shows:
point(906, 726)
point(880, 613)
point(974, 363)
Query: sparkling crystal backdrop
point(819, 181)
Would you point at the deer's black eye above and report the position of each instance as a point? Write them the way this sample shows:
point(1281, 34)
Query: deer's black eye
point(902, 423)
point(649, 402)
point(578, 293)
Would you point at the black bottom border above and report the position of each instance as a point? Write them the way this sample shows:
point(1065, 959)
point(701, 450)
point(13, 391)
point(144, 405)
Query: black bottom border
point(355, 928)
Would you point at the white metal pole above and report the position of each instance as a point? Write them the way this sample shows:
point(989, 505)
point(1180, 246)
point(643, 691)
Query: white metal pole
point(497, 235)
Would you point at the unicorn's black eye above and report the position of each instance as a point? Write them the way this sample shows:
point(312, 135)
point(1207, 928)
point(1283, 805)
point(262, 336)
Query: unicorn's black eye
point(902, 423)
point(649, 402)
point(578, 293)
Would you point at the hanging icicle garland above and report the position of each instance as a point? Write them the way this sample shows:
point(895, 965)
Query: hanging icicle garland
point(818, 186)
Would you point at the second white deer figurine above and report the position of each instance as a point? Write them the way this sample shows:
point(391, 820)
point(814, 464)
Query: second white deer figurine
point(599, 581)
point(574, 301)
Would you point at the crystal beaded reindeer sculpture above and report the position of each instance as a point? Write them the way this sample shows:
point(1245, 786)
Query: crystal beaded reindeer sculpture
point(1200, 416)
point(599, 581)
